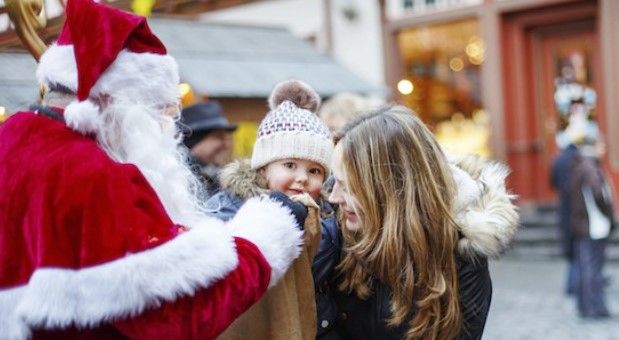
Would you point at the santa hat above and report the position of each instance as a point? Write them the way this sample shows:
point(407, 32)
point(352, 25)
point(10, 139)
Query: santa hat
point(103, 50)
point(292, 129)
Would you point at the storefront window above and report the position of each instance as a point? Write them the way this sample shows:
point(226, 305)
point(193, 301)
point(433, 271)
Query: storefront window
point(441, 82)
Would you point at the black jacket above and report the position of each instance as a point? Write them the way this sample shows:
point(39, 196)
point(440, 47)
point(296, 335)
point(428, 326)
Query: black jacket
point(365, 319)
point(560, 181)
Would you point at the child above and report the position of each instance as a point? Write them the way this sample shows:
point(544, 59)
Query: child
point(291, 155)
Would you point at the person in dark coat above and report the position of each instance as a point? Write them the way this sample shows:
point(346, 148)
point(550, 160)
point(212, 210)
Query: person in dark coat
point(560, 181)
point(208, 136)
point(417, 233)
point(592, 220)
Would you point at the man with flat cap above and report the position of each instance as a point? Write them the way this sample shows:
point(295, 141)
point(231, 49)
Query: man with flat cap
point(208, 136)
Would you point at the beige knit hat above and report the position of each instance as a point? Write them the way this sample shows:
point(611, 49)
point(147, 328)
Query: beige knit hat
point(292, 129)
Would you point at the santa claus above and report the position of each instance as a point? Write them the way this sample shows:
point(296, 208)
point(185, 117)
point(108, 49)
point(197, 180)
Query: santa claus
point(101, 233)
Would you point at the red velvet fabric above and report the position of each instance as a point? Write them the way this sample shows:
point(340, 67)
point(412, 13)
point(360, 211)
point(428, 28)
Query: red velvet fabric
point(210, 312)
point(98, 33)
point(203, 316)
point(65, 204)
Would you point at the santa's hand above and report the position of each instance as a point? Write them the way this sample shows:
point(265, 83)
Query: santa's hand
point(272, 225)
point(311, 226)
point(299, 211)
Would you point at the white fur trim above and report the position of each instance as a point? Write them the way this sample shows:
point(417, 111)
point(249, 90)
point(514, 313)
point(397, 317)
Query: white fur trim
point(141, 77)
point(489, 224)
point(273, 229)
point(57, 65)
point(83, 117)
point(468, 189)
point(11, 326)
point(138, 77)
point(57, 298)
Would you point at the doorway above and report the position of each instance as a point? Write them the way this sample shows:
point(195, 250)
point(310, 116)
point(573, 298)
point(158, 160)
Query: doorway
point(549, 55)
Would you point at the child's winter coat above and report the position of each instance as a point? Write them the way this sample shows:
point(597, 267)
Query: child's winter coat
point(287, 310)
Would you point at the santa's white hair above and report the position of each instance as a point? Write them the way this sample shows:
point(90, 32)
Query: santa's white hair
point(143, 135)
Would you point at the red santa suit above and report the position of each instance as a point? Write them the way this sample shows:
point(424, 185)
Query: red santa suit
point(87, 249)
point(85, 241)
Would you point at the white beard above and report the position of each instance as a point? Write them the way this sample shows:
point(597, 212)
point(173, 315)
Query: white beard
point(144, 136)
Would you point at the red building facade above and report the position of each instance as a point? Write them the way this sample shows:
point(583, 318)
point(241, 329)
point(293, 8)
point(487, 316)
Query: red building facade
point(511, 60)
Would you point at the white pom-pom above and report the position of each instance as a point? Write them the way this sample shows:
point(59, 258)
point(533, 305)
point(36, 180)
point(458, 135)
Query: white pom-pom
point(83, 117)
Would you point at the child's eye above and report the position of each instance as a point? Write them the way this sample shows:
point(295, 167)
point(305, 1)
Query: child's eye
point(316, 171)
point(289, 165)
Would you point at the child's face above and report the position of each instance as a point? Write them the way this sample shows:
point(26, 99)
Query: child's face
point(294, 176)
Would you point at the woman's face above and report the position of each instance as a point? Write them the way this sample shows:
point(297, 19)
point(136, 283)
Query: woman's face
point(341, 195)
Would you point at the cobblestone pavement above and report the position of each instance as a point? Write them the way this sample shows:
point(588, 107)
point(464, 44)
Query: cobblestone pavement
point(528, 303)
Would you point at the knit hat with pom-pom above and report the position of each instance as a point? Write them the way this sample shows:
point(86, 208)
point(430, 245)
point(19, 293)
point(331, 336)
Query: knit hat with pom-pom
point(292, 129)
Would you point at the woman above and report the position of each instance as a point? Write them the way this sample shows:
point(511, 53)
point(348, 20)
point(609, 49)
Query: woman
point(591, 222)
point(417, 232)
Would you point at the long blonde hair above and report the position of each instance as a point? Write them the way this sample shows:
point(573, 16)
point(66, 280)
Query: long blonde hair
point(400, 177)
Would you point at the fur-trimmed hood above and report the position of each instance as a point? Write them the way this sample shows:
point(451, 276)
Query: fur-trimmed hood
point(239, 179)
point(483, 208)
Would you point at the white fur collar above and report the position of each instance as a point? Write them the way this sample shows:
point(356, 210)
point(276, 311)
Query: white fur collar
point(483, 207)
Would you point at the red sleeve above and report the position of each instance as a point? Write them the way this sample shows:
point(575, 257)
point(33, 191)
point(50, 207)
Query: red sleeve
point(210, 311)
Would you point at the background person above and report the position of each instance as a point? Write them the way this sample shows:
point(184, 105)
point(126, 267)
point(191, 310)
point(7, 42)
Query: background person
point(208, 136)
point(341, 109)
point(592, 220)
point(562, 166)
point(560, 181)
point(417, 231)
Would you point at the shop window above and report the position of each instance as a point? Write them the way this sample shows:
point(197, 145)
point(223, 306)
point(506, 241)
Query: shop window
point(441, 82)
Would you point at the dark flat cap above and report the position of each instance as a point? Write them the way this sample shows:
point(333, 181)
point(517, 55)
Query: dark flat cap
point(199, 120)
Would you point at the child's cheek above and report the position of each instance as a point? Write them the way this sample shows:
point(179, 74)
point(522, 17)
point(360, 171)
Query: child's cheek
point(315, 193)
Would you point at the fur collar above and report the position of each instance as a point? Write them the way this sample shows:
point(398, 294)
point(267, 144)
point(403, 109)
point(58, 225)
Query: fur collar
point(483, 208)
point(239, 179)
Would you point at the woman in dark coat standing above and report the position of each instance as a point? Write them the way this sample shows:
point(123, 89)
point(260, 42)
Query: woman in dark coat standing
point(592, 220)
point(418, 229)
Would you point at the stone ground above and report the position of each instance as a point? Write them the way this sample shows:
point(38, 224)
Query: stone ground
point(529, 303)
